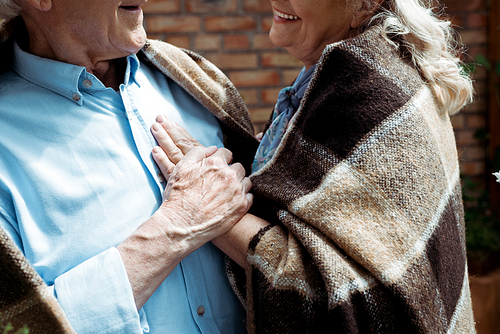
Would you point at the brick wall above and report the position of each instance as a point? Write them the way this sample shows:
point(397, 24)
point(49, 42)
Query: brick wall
point(470, 18)
point(234, 35)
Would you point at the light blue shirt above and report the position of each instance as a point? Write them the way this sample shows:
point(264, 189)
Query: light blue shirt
point(77, 178)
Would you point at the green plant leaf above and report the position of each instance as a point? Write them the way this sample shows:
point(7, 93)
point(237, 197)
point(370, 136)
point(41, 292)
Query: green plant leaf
point(468, 68)
point(481, 60)
point(497, 68)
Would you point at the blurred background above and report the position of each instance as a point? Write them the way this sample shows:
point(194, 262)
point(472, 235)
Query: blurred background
point(233, 34)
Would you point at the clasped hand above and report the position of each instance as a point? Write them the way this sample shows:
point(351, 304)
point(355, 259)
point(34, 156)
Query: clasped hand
point(203, 190)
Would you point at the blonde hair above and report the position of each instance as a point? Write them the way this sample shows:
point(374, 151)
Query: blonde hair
point(413, 28)
point(9, 9)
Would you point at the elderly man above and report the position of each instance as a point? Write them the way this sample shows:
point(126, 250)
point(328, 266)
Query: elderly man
point(80, 87)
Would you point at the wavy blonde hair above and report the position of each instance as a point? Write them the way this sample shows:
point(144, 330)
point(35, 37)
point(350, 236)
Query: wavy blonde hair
point(9, 9)
point(414, 28)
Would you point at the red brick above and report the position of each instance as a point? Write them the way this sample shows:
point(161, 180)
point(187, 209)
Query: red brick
point(473, 153)
point(260, 115)
point(262, 42)
point(465, 137)
point(156, 36)
point(470, 37)
point(475, 121)
point(267, 23)
point(207, 42)
point(255, 78)
point(475, 50)
point(249, 96)
point(457, 21)
point(224, 23)
point(478, 105)
point(161, 6)
point(260, 6)
point(464, 5)
point(472, 168)
point(275, 59)
point(218, 6)
point(227, 61)
point(173, 24)
point(236, 42)
point(180, 41)
point(270, 95)
point(475, 20)
point(289, 76)
point(480, 74)
point(480, 89)
point(458, 121)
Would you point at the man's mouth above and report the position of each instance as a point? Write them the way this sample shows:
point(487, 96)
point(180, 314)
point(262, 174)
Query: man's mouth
point(131, 8)
point(286, 16)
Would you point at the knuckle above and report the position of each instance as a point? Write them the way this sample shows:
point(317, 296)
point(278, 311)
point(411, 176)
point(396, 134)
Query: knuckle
point(176, 153)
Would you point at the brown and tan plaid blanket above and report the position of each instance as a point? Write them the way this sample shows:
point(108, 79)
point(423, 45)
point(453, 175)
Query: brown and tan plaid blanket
point(365, 194)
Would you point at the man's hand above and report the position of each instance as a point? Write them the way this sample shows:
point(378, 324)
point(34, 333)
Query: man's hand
point(203, 199)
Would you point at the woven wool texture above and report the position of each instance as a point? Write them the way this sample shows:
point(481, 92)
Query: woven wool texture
point(365, 193)
point(24, 298)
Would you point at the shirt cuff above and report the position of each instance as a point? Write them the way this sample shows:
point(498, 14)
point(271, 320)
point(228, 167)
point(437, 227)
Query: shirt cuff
point(97, 297)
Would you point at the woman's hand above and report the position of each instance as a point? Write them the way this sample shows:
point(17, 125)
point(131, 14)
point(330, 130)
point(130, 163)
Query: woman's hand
point(175, 142)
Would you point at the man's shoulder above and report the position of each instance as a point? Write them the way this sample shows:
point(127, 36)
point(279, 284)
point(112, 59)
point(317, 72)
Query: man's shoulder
point(179, 57)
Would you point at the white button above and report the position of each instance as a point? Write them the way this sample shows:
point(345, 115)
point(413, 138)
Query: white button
point(200, 310)
point(87, 83)
point(160, 177)
point(76, 97)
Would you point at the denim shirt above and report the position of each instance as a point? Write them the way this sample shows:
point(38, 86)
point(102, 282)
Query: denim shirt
point(77, 178)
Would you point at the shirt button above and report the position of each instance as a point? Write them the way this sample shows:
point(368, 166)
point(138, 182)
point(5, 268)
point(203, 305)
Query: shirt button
point(200, 310)
point(76, 97)
point(160, 177)
point(87, 83)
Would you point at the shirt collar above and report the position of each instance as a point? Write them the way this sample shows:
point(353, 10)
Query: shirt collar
point(65, 79)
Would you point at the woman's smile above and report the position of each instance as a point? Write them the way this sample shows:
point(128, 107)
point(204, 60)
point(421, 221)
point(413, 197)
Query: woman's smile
point(283, 16)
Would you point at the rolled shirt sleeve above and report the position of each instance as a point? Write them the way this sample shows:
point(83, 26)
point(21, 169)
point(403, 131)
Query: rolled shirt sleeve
point(97, 297)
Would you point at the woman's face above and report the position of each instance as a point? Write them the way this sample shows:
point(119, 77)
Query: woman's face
point(305, 27)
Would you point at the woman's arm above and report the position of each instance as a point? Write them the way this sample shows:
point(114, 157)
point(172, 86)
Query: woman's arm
point(174, 143)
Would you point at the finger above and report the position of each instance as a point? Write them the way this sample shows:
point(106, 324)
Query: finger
point(163, 162)
point(247, 184)
point(239, 170)
point(174, 153)
point(249, 201)
point(225, 154)
point(181, 138)
point(197, 154)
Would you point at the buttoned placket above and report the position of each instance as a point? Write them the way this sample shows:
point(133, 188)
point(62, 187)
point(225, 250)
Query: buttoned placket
point(141, 133)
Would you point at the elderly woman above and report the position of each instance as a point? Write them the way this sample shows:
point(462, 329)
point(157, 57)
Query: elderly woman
point(357, 177)
point(80, 195)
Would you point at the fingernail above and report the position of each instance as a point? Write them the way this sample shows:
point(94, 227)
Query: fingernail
point(161, 118)
point(156, 150)
point(156, 127)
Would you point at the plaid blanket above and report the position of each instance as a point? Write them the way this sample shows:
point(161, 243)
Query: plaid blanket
point(365, 195)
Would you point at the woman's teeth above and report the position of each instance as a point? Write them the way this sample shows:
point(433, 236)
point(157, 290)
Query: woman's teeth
point(286, 16)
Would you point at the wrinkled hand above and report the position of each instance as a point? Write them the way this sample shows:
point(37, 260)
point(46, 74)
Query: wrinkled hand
point(204, 195)
point(175, 142)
